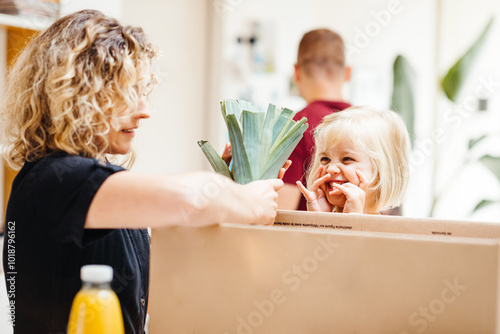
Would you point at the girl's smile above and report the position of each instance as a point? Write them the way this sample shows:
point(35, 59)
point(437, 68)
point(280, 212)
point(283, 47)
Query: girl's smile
point(341, 162)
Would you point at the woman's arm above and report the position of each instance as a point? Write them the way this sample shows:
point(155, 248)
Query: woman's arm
point(132, 200)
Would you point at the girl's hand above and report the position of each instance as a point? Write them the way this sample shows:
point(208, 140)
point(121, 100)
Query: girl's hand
point(315, 196)
point(355, 195)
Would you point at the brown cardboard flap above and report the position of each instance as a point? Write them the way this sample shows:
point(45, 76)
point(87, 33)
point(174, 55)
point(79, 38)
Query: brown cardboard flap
point(233, 279)
point(391, 224)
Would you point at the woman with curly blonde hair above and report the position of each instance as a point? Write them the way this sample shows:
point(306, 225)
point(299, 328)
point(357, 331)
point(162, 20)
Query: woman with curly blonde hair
point(74, 99)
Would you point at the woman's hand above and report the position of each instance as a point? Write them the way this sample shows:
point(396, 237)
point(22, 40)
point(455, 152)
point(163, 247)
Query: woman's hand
point(315, 196)
point(355, 195)
point(262, 200)
point(227, 155)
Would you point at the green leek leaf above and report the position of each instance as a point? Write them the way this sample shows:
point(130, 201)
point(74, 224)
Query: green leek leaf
point(282, 152)
point(261, 142)
point(245, 105)
point(251, 122)
point(294, 128)
point(241, 167)
point(280, 126)
point(267, 134)
point(218, 164)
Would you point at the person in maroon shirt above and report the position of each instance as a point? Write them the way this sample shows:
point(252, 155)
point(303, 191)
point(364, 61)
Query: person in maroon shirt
point(320, 72)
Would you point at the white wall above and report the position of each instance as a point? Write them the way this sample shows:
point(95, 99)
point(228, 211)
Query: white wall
point(112, 8)
point(167, 142)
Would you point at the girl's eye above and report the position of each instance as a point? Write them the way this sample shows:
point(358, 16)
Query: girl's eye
point(324, 160)
point(347, 159)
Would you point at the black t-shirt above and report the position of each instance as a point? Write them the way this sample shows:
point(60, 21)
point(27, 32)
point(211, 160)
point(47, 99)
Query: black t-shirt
point(45, 217)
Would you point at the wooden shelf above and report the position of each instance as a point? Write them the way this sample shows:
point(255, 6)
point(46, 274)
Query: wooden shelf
point(32, 23)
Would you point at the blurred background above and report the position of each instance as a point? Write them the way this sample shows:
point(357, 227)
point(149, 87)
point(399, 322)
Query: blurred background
point(246, 49)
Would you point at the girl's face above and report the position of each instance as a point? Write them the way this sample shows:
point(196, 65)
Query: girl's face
point(341, 162)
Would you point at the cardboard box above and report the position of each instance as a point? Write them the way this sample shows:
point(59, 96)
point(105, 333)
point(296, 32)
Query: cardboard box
point(390, 224)
point(355, 274)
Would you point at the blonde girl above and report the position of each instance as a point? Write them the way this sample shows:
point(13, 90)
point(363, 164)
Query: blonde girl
point(360, 162)
point(75, 97)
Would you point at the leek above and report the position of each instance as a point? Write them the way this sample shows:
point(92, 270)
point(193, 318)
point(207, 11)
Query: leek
point(261, 141)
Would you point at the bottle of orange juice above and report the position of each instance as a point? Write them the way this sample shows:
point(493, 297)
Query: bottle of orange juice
point(96, 308)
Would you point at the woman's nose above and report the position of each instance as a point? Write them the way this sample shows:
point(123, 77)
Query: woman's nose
point(142, 110)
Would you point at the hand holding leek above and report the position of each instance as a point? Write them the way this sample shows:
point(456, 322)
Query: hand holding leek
point(261, 142)
point(227, 156)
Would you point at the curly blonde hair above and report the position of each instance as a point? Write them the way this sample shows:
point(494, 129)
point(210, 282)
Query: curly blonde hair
point(71, 85)
point(382, 134)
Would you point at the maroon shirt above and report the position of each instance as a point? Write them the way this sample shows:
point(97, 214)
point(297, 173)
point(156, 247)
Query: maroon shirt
point(303, 153)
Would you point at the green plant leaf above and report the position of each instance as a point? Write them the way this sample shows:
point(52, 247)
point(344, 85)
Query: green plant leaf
point(456, 76)
point(403, 101)
point(223, 108)
point(231, 107)
point(245, 105)
point(296, 126)
point(474, 142)
point(267, 134)
point(493, 164)
point(261, 142)
point(482, 204)
point(218, 164)
point(252, 125)
point(241, 166)
point(235, 107)
point(281, 153)
point(282, 124)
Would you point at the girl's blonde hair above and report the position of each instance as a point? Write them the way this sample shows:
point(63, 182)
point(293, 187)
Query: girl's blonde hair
point(70, 85)
point(383, 136)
